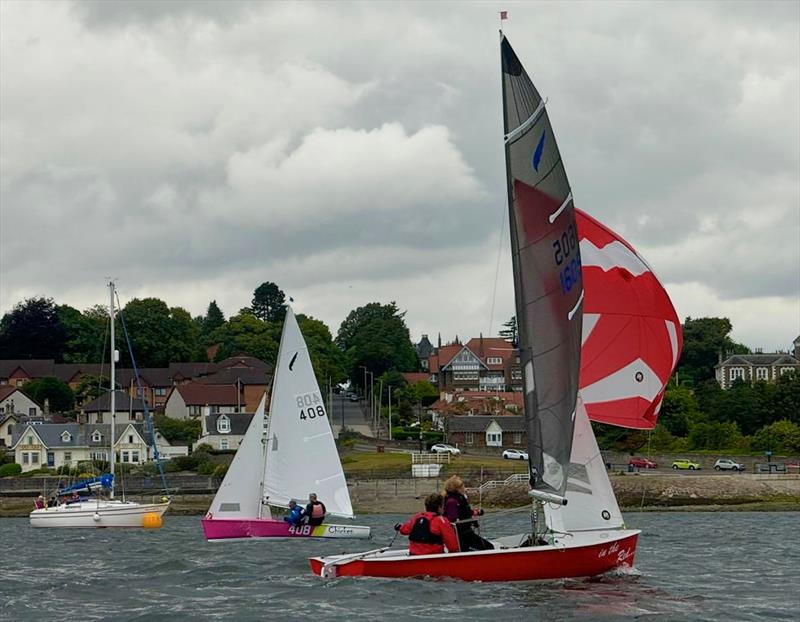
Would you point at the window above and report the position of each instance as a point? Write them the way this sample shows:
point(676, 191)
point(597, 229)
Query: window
point(469, 438)
point(32, 412)
point(517, 438)
point(737, 373)
point(223, 444)
point(494, 439)
point(465, 375)
point(99, 417)
point(214, 409)
point(762, 373)
point(25, 457)
point(135, 456)
point(160, 391)
point(30, 440)
point(125, 457)
point(516, 374)
point(130, 439)
point(223, 425)
point(35, 458)
point(785, 370)
point(67, 457)
point(194, 410)
point(2, 409)
point(100, 456)
point(66, 436)
point(97, 436)
point(494, 360)
point(20, 382)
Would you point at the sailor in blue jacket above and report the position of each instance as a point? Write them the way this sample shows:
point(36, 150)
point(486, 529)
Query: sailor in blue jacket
point(295, 514)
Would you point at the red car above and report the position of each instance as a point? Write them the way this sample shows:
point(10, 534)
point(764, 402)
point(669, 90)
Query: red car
point(642, 463)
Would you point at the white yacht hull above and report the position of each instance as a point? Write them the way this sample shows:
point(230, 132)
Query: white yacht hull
point(96, 514)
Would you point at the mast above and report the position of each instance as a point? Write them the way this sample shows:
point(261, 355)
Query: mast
point(113, 382)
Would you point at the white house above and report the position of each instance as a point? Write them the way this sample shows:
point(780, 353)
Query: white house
point(128, 410)
point(13, 401)
point(190, 401)
point(58, 444)
point(224, 431)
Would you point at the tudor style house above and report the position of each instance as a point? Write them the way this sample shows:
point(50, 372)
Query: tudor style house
point(224, 431)
point(757, 367)
point(482, 364)
point(487, 432)
point(58, 444)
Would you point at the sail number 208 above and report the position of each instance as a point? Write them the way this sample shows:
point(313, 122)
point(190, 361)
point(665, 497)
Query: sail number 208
point(564, 247)
point(310, 406)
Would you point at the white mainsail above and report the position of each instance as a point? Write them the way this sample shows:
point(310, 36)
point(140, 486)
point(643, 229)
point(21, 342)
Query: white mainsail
point(301, 452)
point(591, 504)
point(239, 495)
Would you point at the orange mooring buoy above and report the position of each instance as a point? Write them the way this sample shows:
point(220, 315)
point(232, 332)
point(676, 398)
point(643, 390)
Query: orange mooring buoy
point(151, 520)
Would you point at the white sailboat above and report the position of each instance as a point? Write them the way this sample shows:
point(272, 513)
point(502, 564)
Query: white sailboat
point(99, 511)
point(284, 457)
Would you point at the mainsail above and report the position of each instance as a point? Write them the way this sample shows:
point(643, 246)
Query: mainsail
point(301, 452)
point(631, 332)
point(239, 495)
point(547, 275)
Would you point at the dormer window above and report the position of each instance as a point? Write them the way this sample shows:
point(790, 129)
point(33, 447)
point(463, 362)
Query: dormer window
point(223, 425)
point(97, 436)
point(66, 437)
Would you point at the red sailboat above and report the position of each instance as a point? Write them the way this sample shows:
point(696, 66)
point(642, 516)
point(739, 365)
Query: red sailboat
point(577, 529)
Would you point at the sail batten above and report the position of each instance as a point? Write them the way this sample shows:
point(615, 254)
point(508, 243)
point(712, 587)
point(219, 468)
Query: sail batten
point(547, 277)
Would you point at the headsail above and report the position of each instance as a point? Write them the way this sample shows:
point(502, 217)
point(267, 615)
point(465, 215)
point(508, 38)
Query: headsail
point(239, 495)
point(631, 333)
point(301, 452)
point(547, 275)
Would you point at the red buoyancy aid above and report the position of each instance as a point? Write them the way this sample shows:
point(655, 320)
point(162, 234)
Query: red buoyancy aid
point(421, 531)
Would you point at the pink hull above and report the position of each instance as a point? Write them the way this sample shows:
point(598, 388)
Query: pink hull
point(234, 529)
point(518, 564)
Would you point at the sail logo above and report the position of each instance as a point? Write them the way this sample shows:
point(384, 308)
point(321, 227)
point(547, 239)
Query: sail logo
point(537, 153)
point(294, 358)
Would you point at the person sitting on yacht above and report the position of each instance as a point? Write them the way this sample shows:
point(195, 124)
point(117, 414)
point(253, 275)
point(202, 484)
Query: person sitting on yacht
point(315, 510)
point(296, 514)
point(429, 532)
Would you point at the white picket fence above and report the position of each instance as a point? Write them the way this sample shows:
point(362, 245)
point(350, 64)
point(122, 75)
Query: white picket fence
point(431, 458)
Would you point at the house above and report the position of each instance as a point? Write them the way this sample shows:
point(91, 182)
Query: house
point(477, 403)
point(128, 410)
point(16, 372)
point(482, 364)
point(757, 367)
point(192, 400)
point(59, 444)
point(166, 450)
point(13, 401)
point(424, 350)
point(7, 423)
point(487, 431)
point(224, 431)
point(415, 377)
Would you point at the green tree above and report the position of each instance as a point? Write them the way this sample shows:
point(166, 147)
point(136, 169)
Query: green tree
point(181, 431)
point(269, 302)
point(57, 392)
point(246, 334)
point(704, 339)
point(327, 359)
point(781, 436)
point(91, 387)
point(213, 318)
point(376, 336)
point(509, 332)
point(32, 330)
point(84, 334)
point(786, 398)
point(714, 435)
point(678, 410)
point(158, 334)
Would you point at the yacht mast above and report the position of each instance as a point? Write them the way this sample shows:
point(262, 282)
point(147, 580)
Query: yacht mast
point(113, 383)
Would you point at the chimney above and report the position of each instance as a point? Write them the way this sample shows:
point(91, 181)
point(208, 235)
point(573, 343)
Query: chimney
point(46, 410)
point(440, 340)
point(480, 347)
point(81, 418)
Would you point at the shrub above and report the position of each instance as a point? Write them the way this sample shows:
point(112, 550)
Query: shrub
point(206, 468)
point(203, 448)
point(220, 470)
point(7, 470)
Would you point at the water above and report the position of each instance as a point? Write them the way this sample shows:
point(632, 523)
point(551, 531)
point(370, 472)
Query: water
point(689, 566)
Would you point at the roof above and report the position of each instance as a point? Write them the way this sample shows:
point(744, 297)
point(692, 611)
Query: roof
point(123, 403)
point(243, 361)
point(479, 423)
point(775, 358)
point(414, 377)
point(424, 347)
point(67, 371)
point(148, 376)
point(80, 434)
point(35, 368)
point(239, 423)
point(6, 390)
point(479, 400)
point(196, 394)
point(234, 375)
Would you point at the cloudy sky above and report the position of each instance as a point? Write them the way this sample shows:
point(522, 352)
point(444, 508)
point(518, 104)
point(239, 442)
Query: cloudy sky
point(353, 152)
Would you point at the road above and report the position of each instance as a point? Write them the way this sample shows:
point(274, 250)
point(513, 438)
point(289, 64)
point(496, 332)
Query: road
point(343, 410)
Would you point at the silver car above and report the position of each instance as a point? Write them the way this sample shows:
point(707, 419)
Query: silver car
point(515, 454)
point(725, 464)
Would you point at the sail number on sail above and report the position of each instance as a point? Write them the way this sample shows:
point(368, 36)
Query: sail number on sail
point(310, 405)
point(563, 247)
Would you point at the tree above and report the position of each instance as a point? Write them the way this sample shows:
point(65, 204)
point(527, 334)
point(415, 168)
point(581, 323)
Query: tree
point(246, 334)
point(269, 302)
point(84, 334)
point(327, 359)
point(781, 436)
point(678, 410)
point(376, 336)
point(704, 339)
point(32, 330)
point(158, 334)
point(213, 318)
point(91, 387)
point(509, 332)
point(55, 391)
point(177, 430)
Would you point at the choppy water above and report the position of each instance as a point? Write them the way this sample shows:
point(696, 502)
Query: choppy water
point(693, 567)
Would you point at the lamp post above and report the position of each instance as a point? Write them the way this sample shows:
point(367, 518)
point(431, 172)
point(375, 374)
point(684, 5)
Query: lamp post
point(389, 387)
point(380, 403)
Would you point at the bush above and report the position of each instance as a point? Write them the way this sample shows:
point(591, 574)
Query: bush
point(781, 436)
point(206, 468)
point(7, 470)
point(203, 448)
point(220, 470)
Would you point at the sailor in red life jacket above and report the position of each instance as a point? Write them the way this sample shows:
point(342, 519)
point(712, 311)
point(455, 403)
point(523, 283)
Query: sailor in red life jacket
point(429, 532)
point(315, 510)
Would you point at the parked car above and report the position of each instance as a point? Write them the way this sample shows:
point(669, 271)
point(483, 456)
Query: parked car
point(515, 454)
point(725, 464)
point(354, 397)
point(444, 448)
point(642, 463)
point(685, 464)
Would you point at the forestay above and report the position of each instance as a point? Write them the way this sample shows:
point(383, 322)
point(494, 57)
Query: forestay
point(239, 495)
point(591, 503)
point(547, 275)
point(301, 452)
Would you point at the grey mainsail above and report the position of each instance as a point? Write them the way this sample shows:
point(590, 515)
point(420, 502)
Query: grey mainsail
point(547, 275)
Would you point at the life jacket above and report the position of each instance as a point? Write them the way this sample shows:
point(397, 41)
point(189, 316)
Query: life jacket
point(317, 510)
point(421, 531)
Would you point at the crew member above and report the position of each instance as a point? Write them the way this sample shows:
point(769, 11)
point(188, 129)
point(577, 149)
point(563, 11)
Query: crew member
point(315, 510)
point(458, 509)
point(429, 532)
point(296, 514)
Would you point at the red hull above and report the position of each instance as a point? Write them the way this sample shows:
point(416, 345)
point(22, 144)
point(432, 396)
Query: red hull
point(520, 564)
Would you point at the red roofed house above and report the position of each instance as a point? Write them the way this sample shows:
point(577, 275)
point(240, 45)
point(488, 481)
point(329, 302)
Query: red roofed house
point(482, 364)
